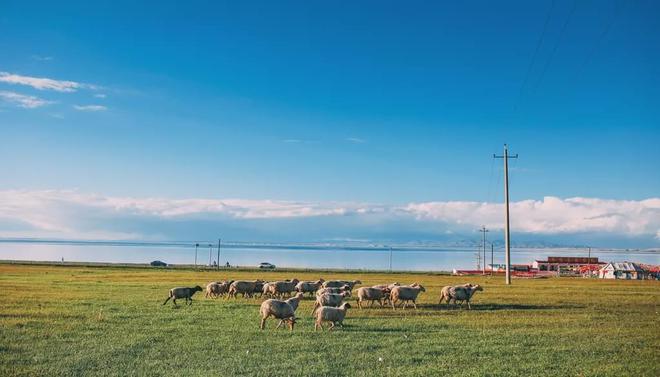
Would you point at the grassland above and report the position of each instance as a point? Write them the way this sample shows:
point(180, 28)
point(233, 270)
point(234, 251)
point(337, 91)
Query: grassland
point(74, 320)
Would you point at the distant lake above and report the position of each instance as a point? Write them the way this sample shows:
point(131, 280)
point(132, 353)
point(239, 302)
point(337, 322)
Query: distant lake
point(370, 258)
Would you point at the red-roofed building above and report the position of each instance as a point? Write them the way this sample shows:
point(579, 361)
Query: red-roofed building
point(573, 264)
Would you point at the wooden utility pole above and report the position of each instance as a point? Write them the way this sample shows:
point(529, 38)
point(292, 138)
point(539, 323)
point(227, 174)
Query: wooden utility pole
point(484, 231)
point(507, 238)
point(210, 249)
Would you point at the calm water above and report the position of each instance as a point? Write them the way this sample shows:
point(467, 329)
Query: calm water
point(293, 256)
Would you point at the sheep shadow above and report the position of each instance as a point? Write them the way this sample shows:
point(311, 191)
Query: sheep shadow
point(496, 307)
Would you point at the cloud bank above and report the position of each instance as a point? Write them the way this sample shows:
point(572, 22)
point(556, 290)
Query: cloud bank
point(72, 214)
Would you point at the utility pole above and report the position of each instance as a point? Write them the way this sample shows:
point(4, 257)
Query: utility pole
point(484, 231)
point(492, 250)
point(390, 258)
point(589, 261)
point(478, 255)
point(210, 249)
point(219, 239)
point(196, 246)
point(507, 237)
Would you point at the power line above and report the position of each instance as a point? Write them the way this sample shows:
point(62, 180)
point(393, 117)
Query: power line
point(536, 51)
point(617, 9)
point(556, 46)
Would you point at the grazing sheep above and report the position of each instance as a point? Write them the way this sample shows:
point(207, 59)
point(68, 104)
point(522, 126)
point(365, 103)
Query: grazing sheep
point(216, 289)
point(212, 289)
point(309, 286)
point(244, 287)
point(388, 286)
point(333, 315)
point(341, 283)
point(388, 289)
point(371, 294)
point(265, 290)
point(258, 288)
point(343, 289)
point(181, 292)
point(444, 293)
point(283, 288)
point(329, 299)
point(405, 294)
point(282, 310)
point(463, 294)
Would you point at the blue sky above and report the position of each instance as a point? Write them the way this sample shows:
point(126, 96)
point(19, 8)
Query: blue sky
point(368, 102)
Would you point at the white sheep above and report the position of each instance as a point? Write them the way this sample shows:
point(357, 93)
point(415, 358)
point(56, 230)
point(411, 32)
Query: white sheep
point(329, 299)
point(342, 289)
point(244, 287)
point(444, 293)
point(182, 292)
point(330, 314)
point(371, 294)
point(341, 283)
point(463, 294)
point(309, 286)
point(281, 288)
point(216, 289)
point(405, 294)
point(285, 311)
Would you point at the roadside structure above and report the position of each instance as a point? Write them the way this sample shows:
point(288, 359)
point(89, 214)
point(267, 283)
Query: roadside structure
point(623, 270)
point(566, 264)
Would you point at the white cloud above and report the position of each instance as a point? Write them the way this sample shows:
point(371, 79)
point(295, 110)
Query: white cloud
point(355, 140)
point(552, 215)
point(42, 58)
point(42, 83)
point(24, 101)
point(64, 214)
point(100, 95)
point(90, 107)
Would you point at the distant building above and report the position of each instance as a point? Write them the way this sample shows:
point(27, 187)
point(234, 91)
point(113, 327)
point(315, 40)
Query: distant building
point(622, 270)
point(572, 264)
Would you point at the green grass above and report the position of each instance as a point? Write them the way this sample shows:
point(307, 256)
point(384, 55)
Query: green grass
point(75, 320)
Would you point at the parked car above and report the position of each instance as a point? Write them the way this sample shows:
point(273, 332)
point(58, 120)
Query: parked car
point(266, 265)
point(158, 263)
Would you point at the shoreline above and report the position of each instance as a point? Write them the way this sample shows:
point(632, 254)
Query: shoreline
point(190, 267)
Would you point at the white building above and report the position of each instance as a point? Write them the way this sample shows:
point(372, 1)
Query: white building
point(622, 270)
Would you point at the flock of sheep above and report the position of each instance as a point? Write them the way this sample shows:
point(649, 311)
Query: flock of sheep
point(329, 306)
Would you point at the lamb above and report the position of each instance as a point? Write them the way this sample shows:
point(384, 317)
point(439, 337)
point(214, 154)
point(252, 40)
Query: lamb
point(329, 299)
point(282, 310)
point(333, 315)
point(244, 287)
point(405, 294)
point(444, 293)
point(283, 288)
point(341, 283)
point(371, 294)
point(309, 286)
point(182, 292)
point(463, 294)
